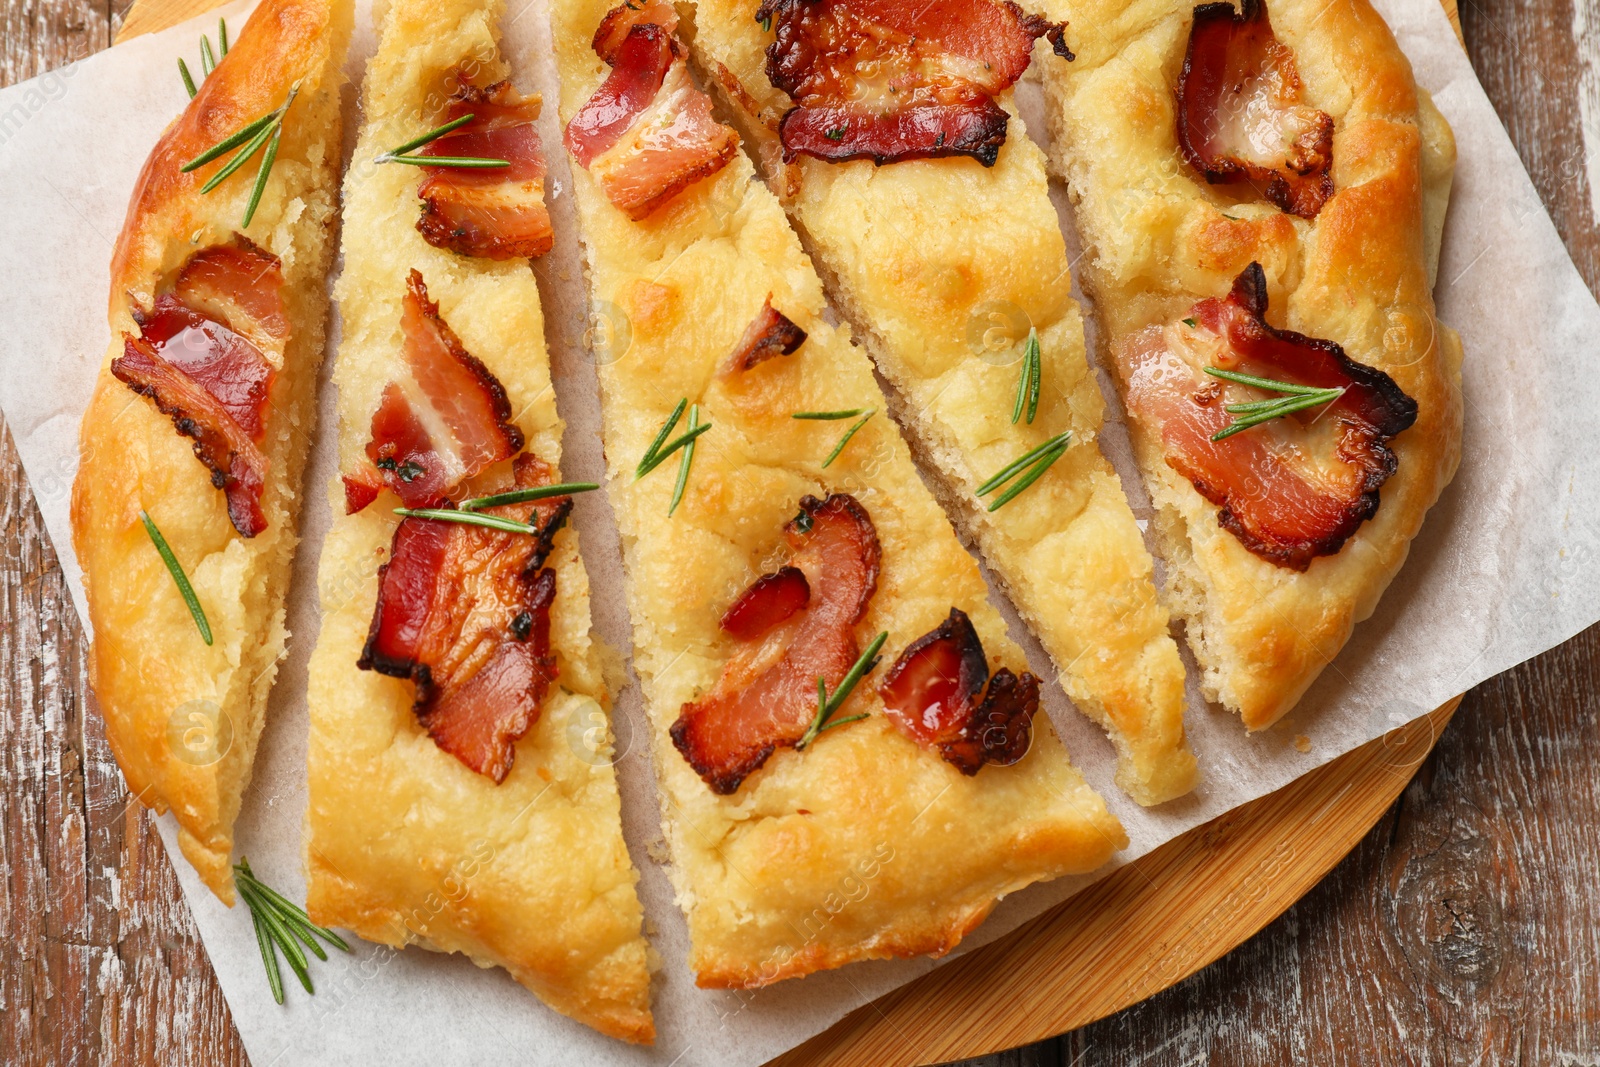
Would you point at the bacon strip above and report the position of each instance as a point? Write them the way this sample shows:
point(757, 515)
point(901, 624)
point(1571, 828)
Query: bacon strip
point(891, 80)
point(451, 421)
point(493, 214)
point(209, 378)
point(771, 599)
point(770, 333)
point(647, 133)
point(767, 695)
point(1291, 489)
point(931, 694)
point(464, 613)
point(1240, 118)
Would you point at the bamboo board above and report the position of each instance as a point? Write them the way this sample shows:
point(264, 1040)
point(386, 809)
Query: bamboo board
point(1145, 927)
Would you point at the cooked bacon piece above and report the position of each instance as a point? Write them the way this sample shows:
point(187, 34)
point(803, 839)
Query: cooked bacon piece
point(237, 466)
point(770, 600)
point(890, 80)
point(447, 423)
point(193, 358)
point(647, 133)
point(1240, 118)
point(464, 613)
point(494, 213)
point(1291, 489)
point(770, 333)
point(931, 694)
point(239, 282)
point(767, 695)
point(621, 20)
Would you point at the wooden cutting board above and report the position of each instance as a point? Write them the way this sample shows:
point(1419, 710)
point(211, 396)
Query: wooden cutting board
point(1143, 928)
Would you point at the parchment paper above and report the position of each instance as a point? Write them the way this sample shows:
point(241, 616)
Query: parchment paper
point(1503, 570)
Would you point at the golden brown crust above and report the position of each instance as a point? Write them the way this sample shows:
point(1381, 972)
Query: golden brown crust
point(942, 266)
point(405, 844)
point(864, 845)
point(163, 693)
point(1359, 275)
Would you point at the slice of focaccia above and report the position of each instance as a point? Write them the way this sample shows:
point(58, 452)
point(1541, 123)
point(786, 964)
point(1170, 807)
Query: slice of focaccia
point(841, 727)
point(1261, 190)
point(197, 432)
point(946, 256)
point(462, 795)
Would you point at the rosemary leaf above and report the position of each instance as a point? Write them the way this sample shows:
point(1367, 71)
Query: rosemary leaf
point(468, 518)
point(766, 24)
point(1010, 470)
point(287, 907)
point(260, 187)
point(279, 931)
point(848, 413)
point(688, 458)
point(1267, 383)
point(208, 62)
point(179, 579)
point(660, 439)
point(678, 442)
point(1033, 474)
point(222, 35)
point(188, 79)
point(1294, 397)
point(831, 723)
point(522, 496)
point(1028, 380)
point(471, 162)
point(826, 705)
point(432, 135)
point(851, 432)
point(231, 141)
point(269, 957)
point(1038, 373)
point(241, 157)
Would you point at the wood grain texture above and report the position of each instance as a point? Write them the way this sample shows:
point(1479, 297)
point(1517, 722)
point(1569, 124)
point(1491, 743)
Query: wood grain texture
point(1462, 930)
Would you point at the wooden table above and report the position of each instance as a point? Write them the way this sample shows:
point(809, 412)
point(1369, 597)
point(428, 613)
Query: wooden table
point(1464, 929)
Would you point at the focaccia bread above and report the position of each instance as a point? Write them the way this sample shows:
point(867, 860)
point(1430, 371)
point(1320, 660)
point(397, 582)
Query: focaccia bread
point(1332, 229)
point(421, 829)
point(791, 851)
point(201, 420)
point(943, 266)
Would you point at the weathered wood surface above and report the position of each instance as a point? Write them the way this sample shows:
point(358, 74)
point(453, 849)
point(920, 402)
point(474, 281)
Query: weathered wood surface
point(1464, 929)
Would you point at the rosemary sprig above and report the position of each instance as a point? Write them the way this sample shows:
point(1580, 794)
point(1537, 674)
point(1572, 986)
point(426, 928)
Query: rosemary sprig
point(1028, 380)
point(522, 496)
point(261, 176)
point(179, 579)
point(468, 162)
point(1026, 469)
point(683, 464)
point(265, 130)
point(400, 153)
point(827, 705)
point(208, 62)
point(1295, 398)
point(432, 135)
point(281, 925)
point(468, 518)
point(658, 452)
point(851, 432)
point(828, 416)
